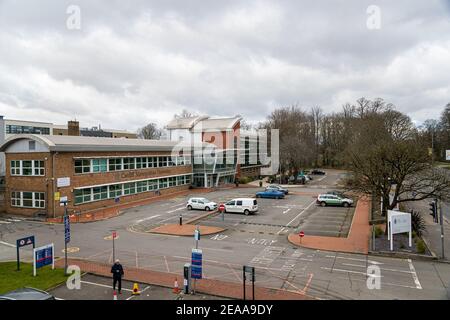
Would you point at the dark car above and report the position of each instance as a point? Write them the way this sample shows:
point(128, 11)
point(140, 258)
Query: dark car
point(277, 188)
point(270, 193)
point(317, 172)
point(27, 294)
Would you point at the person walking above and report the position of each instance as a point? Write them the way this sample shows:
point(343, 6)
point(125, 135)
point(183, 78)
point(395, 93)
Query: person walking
point(117, 271)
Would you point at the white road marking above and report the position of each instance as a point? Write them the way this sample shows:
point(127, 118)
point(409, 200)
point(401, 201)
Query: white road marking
point(5, 222)
point(355, 259)
point(13, 220)
point(286, 211)
point(384, 283)
point(178, 205)
point(145, 289)
point(215, 249)
point(145, 219)
point(350, 271)
point(8, 244)
point(219, 237)
point(301, 212)
point(174, 210)
point(102, 285)
point(414, 274)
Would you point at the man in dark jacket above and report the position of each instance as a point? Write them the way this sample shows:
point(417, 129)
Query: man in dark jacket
point(117, 272)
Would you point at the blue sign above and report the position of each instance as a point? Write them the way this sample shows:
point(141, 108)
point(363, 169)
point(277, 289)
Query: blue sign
point(67, 228)
point(196, 264)
point(25, 241)
point(43, 256)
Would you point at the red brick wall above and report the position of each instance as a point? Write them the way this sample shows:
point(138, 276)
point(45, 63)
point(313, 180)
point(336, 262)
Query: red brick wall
point(65, 168)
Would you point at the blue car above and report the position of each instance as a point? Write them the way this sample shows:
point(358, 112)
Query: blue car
point(270, 193)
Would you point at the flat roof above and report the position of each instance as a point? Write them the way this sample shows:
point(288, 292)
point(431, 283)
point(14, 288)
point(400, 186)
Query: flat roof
point(83, 143)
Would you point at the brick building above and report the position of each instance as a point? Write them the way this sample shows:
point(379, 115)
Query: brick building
point(91, 172)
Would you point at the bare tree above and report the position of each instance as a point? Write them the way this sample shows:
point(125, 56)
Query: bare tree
point(150, 131)
point(185, 114)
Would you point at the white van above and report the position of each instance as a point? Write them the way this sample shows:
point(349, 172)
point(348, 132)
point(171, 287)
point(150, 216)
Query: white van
point(242, 205)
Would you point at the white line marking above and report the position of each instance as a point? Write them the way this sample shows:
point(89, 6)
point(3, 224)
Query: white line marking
point(8, 244)
point(286, 211)
point(5, 222)
point(227, 250)
point(177, 205)
point(414, 274)
point(355, 259)
point(141, 220)
point(174, 210)
point(102, 285)
point(314, 201)
point(350, 271)
point(148, 287)
point(13, 220)
point(384, 283)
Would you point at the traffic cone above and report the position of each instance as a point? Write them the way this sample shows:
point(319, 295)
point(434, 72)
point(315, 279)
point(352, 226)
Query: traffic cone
point(176, 289)
point(114, 295)
point(136, 290)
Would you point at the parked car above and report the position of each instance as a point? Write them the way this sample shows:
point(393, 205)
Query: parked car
point(333, 200)
point(337, 193)
point(278, 188)
point(317, 172)
point(242, 205)
point(27, 294)
point(304, 177)
point(201, 204)
point(270, 193)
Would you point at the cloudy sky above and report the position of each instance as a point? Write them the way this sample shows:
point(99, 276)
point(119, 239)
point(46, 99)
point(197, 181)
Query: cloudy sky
point(133, 62)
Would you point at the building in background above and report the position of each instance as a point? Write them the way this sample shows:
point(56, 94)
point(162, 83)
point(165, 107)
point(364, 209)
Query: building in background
point(73, 129)
point(236, 155)
point(92, 172)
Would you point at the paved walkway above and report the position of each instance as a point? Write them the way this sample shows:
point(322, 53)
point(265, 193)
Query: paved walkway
point(357, 240)
point(185, 230)
point(206, 286)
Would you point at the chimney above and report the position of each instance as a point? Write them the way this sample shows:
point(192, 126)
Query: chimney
point(73, 128)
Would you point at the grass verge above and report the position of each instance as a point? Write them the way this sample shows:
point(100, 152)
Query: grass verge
point(46, 278)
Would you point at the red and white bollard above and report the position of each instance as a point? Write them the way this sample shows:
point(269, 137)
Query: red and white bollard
point(114, 295)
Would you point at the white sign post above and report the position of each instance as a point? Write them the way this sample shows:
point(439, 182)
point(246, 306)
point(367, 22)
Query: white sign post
point(447, 155)
point(398, 222)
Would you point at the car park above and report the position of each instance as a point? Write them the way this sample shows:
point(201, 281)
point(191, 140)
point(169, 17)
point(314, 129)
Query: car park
point(333, 200)
point(270, 193)
point(241, 205)
point(201, 204)
point(337, 193)
point(27, 294)
point(277, 188)
point(317, 172)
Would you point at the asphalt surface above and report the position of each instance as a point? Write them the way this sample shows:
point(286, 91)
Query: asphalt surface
point(259, 240)
point(94, 287)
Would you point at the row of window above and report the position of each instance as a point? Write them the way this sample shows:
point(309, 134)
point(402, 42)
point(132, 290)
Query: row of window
point(27, 199)
point(27, 168)
point(14, 129)
point(123, 189)
point(131, 163)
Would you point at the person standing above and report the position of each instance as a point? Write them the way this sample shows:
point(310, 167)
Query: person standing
point(117, 271)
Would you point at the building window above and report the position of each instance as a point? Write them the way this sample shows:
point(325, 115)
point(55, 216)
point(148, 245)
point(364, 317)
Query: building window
point(172, 181)
point(27, 167)
point(128, 163)
point(152, 185)
point(181, 180)
point(28, 199)
point(99, 165)
point(14, 129)
point(141, 163)
point(141, 186)
point(129, 188)
point(115, 164)
point(83, 195)
point(162, 183)
point(115, 190)
point(162, 162)
point(152, 162)
point(82, 166)
point(39, 168)
point(15, 167)
point(171, 161)
point(100, 193)
point(31, 145)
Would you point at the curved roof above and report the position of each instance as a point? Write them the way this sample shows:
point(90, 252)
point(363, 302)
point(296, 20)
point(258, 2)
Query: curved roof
point(184, 123)
point(82, 143)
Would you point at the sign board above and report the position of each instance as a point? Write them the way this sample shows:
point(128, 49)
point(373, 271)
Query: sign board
point(197, 235)
point(114, 234)
point(25, 241)
point(63, 182)
point(447, 155)
point(196, 264)
point(43, 256)
point(249, 269)
point(221, 207)
point(398, 222)
point(57, 196)
point(67, 229)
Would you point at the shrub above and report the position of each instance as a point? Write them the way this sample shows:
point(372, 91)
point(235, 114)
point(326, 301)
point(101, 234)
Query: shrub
point(245, 180)
point(421, 247)
point(378, 232)
point(418, 223)
point(414, 234)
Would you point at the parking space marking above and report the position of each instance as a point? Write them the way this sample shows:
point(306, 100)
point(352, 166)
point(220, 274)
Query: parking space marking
point(414, 274)
point(219, 237)
point(145, 219)
point(174, 210)
point(8, 244)
point(349, 271)
point(145, 289)
point(301, 212)
point(286, 211)
point(103, 285)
